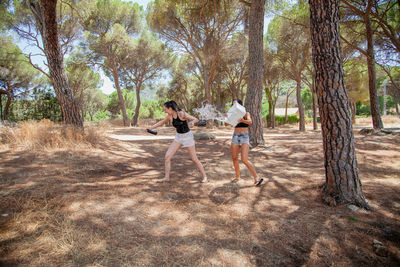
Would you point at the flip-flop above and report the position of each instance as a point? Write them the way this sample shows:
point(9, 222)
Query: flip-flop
point(163, 181)
point(205, 180)
point(259, 182)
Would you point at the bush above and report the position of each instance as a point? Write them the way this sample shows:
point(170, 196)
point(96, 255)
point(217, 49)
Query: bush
point(101, 115)
point(280, 119)
point(362, 110)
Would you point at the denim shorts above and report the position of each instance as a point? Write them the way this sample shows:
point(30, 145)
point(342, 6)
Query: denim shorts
point(240, 139)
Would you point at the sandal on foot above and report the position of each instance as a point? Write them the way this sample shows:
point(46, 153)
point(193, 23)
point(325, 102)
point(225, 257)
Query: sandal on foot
point(259, 182)
point(205, 180)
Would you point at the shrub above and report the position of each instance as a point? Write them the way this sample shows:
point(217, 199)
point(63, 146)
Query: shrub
point(101, 115)
point(280, 119)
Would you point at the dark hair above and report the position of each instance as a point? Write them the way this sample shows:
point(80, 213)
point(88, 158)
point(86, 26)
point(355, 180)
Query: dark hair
point(238, 100)
point(172, 104)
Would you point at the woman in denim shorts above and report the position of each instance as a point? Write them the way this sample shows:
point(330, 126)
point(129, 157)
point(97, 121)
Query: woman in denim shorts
point(241, 142)
point(183, 138)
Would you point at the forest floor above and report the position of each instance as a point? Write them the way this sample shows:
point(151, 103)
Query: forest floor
point(104, 206)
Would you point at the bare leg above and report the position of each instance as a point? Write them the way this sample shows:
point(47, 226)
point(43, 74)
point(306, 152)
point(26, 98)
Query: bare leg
point(245, 160)
point(173, 147)
point(193, 157)
point(235, 158)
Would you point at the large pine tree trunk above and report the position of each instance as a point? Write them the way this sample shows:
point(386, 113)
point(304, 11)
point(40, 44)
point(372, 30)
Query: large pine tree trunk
point(373, 96)
point(256, 70)
point(46, 17)
point(341, 170)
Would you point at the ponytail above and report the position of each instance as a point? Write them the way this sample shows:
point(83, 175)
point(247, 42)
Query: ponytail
point(172, 104)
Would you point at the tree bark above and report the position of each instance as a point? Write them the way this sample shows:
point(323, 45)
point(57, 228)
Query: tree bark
point(256, 71)
point(45, 14)
point(269, 117)
point(341, 169)
point(138, 103)
point(120, 96)
point(302, 124)
point(1, 106)
point(314, 103)
point(354, 111)
point(8, 103)
point(273, 116)
point(373, 96)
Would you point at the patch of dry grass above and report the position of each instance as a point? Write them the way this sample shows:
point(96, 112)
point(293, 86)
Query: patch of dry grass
point(44, 134)
point(105, 208)
point(389, 119)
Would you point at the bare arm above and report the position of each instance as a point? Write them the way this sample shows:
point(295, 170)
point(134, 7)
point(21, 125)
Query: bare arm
point(191, 120)
point(246, 119)
point(161, 122)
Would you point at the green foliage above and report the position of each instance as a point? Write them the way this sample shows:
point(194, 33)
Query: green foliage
point(306, 97)
point(280, 120)
point(15, 67)
point(42, 105)
point(351, 218)
point(390, 103)
point(356, 79)
point(363, 110)
point(5, 17)
point(264, 108)
point(101, 115)
point(151, 110)
point(129, 112)
point(113, 102)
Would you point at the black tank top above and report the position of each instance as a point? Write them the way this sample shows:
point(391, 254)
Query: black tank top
point(180, 125)
point(242, 125)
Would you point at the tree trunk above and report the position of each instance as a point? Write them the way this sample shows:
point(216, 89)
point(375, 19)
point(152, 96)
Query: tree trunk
point(373, 96)
point(269, 117)
point(7, 92)
point(314, 104)
point(341, 169)
point(209, 123)
point(120, 96)
point(273, 116)
point(219, 95)
point(46, 17)
point(302, 124)
point(1, 107)
point(7, 107)
point(255, 71)
point(354, 111)
point(286, 106)
point(137, 109)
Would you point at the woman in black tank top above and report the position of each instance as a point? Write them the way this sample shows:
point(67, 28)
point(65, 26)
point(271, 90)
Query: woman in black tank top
point(183, 137)
point(241, 143)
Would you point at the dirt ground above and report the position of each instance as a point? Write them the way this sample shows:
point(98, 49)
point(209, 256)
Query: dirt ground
point(104, 206)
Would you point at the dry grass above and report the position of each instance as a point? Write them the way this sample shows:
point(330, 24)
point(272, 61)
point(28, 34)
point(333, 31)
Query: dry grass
point(44, 134)
point(387, 120)
point(102, 207)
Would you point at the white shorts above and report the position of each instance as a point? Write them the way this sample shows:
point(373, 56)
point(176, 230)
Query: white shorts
point(186, 139)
